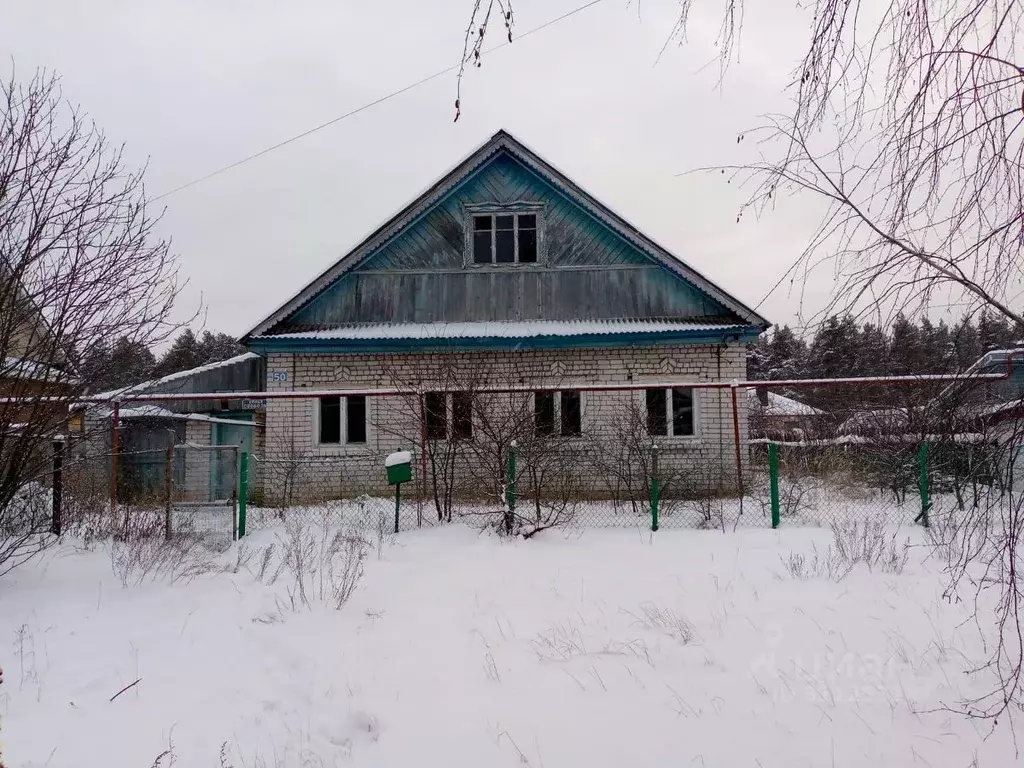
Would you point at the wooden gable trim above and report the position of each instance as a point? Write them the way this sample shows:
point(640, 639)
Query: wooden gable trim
point(461, 173)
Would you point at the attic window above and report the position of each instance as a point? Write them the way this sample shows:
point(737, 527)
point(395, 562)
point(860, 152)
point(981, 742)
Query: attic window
point(505, 238)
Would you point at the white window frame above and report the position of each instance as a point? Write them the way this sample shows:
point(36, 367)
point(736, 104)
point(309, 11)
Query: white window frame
point(343, 427)
point(558, 412)
point(669, 425)
point(470, 212)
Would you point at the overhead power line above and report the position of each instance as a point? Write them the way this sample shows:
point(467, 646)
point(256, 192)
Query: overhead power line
point(368, 105)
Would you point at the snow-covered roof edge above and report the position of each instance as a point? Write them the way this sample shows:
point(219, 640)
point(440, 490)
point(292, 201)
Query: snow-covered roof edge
point(30, 370)
point(138, 389)
point(156, 412)
point(780, 405)
point(497, 329)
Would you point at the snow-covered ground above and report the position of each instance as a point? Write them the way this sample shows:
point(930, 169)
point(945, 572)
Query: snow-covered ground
point(594, 648)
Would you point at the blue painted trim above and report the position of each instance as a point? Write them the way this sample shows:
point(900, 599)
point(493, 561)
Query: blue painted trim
point(590, 340)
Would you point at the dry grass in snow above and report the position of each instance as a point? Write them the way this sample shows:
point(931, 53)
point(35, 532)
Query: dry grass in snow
point(606, 648)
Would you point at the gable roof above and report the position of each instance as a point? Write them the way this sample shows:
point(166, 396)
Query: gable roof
point(241, 373)
point(503, 141)
point(27, 331)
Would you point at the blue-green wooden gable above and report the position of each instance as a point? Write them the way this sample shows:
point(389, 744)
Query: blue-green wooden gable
point(590, 272)
point(593, 265)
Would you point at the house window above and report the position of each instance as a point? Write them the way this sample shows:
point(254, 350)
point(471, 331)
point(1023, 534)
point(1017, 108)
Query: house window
point(437, 415)
point(342, 420)
point(544, 413)
point(462, 416)
point(505, 238)
point(460, 424)
point(670, 412)
point(564, 409)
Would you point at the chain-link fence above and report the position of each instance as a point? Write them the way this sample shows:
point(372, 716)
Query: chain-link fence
point(183, 490)
point(808, 483)
point(219, 494)
point(622, 461)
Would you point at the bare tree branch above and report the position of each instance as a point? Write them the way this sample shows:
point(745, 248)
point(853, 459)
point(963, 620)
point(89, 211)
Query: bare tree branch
point(79, 265)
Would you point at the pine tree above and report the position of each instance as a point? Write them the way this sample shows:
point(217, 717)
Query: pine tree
point(757, 359)
point(214, 347)
point(833, 352)
point(183, 354)
point(906, 350)
point(966, 344)
point(943, 349)
point(106, 368)
point(872, 351)
point(929, 353)
point(787, 355)
point(994, 332)
point(188, 352)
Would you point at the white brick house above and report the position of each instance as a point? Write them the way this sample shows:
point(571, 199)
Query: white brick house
point(502, 276)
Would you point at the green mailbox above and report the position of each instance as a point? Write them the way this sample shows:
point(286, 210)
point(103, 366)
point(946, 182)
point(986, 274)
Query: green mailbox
point(399, 467)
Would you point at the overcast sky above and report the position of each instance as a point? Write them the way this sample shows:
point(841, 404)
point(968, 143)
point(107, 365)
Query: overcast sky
point(192, 85)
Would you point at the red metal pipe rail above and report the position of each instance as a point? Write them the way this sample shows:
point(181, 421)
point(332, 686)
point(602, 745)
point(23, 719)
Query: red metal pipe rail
point(296, 394)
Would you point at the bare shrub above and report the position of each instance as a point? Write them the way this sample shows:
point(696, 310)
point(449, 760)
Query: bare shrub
point(565, 641)
point(796, 494)
point(624, 457)
point(144, 555)
point(321, 562)
point(382, 525)
point(710, 511)
point(853, 543)
point(868, 543)
point(667, 621)
point(797, 565)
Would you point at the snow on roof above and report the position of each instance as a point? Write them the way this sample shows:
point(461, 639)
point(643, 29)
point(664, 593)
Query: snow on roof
point(882, 419)
point(510, 330)
point(989, 409)
point(780, 405)
point(138, 389)
point(156, 412)
point(22, 368)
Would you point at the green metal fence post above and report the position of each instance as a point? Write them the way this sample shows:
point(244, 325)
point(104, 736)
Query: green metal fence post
point(773, 475)
point(655, 488)
point(398, 503)
point(510, 488)
point(926, 502)
point(243, 491)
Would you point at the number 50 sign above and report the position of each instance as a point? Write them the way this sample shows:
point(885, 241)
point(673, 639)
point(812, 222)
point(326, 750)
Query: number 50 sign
point(279, 375)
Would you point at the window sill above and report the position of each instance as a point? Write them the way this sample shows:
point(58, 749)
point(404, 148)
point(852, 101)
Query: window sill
point(342, 449)
point(681, 441)
point(504, 266)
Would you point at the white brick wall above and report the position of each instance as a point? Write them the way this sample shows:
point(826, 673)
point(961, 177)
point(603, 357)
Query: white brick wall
point(293, 458)
point(197, 463)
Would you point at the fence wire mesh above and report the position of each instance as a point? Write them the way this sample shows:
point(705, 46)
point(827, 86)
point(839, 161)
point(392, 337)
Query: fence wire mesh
point(819, 483)
point(851, 460)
